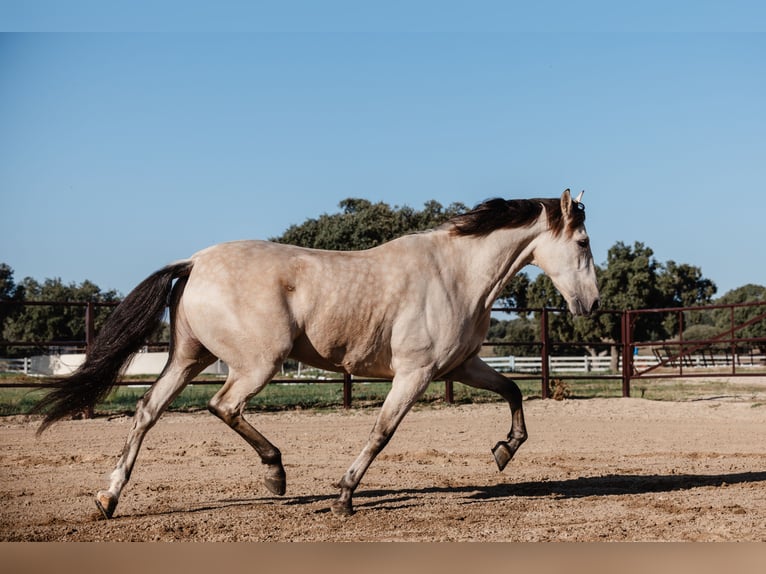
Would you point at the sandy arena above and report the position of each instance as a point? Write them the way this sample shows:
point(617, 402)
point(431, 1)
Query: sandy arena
point(592, 470)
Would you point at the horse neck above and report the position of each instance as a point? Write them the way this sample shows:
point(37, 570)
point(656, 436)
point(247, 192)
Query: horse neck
point(489, 262)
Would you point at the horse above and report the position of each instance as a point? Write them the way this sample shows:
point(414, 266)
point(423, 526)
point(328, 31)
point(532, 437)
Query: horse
point(411, 310)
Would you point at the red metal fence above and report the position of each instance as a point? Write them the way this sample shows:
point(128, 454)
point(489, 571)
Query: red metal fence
point(737, 350)
point(733, 351)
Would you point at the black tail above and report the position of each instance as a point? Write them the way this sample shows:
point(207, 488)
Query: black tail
point(121, 337)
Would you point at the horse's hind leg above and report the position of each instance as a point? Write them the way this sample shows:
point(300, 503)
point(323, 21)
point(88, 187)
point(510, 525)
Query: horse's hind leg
point(477, 373)
point(229, 404)
point(148, 410)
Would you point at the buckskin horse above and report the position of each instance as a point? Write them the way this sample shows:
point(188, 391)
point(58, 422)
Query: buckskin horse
point(411, 310)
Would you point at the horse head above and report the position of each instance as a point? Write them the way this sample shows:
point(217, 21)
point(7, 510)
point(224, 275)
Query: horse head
point(563, 253)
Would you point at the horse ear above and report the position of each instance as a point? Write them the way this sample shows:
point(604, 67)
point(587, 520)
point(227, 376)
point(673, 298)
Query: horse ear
point(578, 199)
point(566, 203)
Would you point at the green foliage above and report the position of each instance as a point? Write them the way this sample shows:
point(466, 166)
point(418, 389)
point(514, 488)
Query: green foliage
point(749, 293)
point(724, 320)
point(630, 280)
point(682, 285)
point(700, 332)
point(516, 293)
point(8, 288)
point(520, 330)
point(362, 224)
point(32, 323)
point(9, 293)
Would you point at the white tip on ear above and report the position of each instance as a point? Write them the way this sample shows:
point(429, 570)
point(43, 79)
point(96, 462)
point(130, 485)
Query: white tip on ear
point(578, 199)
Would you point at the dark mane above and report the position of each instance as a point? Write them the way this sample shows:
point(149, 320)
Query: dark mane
point(501, 213)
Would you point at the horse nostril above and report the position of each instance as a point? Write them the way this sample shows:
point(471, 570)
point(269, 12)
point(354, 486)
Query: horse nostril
point(595, 305)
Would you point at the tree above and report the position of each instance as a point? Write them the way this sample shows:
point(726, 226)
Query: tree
point(514, 334)
point(683, 285)
point(8, 289)
point(516, 293)
point(33, 323)
point(630, 281)
point(750, 293)
point(634, 279)
point(9, 293)
point(362, 224)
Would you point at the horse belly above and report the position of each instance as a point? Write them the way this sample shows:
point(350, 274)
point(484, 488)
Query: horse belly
point(359, 358)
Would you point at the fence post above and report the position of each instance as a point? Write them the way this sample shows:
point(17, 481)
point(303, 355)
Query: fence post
point(90, 327)
point(545, 353)
point(449, 395)
point(627, 355)
point(733, 345)
point(346, 391)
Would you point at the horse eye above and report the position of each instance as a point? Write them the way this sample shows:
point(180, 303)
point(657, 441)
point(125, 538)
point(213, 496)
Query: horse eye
point(583, 242)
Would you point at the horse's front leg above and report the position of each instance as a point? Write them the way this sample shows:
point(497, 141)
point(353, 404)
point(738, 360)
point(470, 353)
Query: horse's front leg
point(476, 373)
point(406, 389)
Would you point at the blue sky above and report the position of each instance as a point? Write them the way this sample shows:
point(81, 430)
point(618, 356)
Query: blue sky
point(127, 143)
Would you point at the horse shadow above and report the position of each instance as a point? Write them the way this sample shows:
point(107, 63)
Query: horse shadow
point(606, 485)
point(388, 499)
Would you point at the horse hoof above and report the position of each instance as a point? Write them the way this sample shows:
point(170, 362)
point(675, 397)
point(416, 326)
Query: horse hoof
point(341, 508)
point(276, 481)
point(275, 485)
point(503, 454)
point(106, 503)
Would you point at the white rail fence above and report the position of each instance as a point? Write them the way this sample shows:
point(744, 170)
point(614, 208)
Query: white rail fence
point(23, 365)
point(145, 363)
point(583, 364)
point(588, 364)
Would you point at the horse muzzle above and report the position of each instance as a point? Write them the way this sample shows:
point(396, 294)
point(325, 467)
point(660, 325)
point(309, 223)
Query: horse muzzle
point(578, 308)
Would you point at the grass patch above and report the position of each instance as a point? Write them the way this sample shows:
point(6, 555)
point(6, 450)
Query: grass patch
point(18, 401)
point(275, 397)
point(329, 394)
point(594, 388)
point(696, 389)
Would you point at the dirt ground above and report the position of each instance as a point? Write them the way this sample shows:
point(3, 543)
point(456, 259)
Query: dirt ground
point(592, 470)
